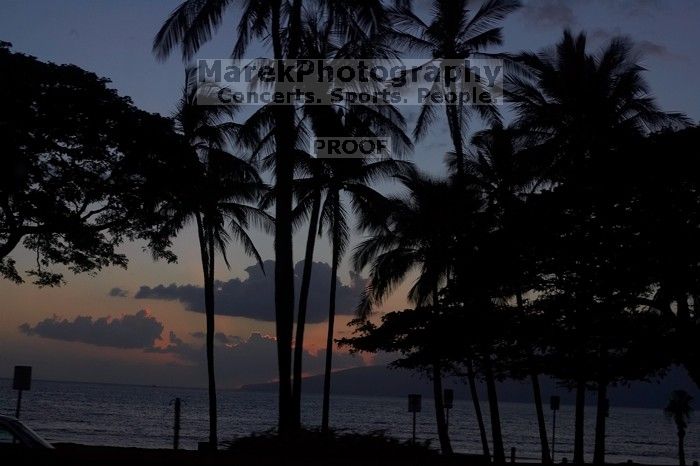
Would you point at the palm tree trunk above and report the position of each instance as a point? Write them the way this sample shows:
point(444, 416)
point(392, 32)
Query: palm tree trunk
point(681, 447)
point(325, 417)
point(456, 135)
point(206, 242)
point(284, 287)
point(284, 259)
point(471, 377)
point(441, 421)
point(303, 300)
point(544, 442)
point(579, 421)
point(601, 409)
point(537, 394)
point(499, 455)
point(443, 434)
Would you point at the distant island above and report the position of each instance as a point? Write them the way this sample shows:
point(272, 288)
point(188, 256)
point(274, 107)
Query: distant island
point(384, 381)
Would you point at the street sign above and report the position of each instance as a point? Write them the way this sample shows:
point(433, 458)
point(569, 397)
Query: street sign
point(554, 402)
point(414, 403)
point(22, 381)
point(448, 398)
point(23, 378)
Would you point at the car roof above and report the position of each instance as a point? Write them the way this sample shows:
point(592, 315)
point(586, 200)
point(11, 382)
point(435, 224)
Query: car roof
point(8, 418)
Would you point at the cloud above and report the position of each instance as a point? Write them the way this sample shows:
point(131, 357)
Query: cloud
point(643, 47)
point(250, 360)
point(560, 13)
point(117, 292)
point(654, 49)
point(238, 360)
point(549, 13)
point(219, 338)
point(140, 330)
point(637, 7)
point(253, 297)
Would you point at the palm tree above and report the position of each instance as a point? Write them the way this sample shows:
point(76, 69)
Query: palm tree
point(505, 174)
point(321, 39)
point(679, 409)
point(352, 178)
point(474, 394)
point(336, 178)
point(581, 106)
point(455, 33)
point(192, 24)
point(220, 199)
point(413, 233)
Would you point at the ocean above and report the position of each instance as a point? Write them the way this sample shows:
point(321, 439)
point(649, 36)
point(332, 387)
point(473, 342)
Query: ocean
point(142, 416)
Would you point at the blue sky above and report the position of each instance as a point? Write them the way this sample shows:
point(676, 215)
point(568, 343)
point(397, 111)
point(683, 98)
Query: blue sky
point(113, 39)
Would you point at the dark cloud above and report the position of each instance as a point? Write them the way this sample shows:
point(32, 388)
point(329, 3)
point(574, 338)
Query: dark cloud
point(219, 338)
point(646, 48)
point(637, 7)
point(253, 297)
point(139, 330)
point(654, 49)
point(549, 13)
point(238, 360)
point(250, 360)
point(117, 292)
point(561, 13)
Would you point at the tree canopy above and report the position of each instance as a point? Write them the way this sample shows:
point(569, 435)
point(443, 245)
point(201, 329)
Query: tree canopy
point(81, 165)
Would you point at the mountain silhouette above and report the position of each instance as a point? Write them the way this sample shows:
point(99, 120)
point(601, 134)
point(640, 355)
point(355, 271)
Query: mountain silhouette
point(384, 381)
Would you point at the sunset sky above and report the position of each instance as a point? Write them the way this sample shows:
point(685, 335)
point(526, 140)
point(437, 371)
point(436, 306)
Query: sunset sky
point(152, 335)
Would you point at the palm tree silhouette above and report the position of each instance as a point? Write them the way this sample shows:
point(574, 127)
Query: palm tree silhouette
point(333, 179)
point(221, 200)
point(281, 23)
point(581, 103)
point(351, 178)
point(577, 105)
point(323, 175)
point(505, 173)
point(679, 409)
point(455, 33)
point(413, 233)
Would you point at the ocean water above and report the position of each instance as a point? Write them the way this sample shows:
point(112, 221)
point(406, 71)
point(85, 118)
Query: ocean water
point(142, 416)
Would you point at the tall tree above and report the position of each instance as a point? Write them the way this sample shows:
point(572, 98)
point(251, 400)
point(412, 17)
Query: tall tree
point(331, 177)
point(281, 23)
point(415, 232)
point(583, 107)
point(79, 164)
point(221, 198)
point(506, 173)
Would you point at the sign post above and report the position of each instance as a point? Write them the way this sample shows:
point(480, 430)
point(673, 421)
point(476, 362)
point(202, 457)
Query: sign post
point(448, 400)
point(414, 406)
point(22, 381)
point(554, 403)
